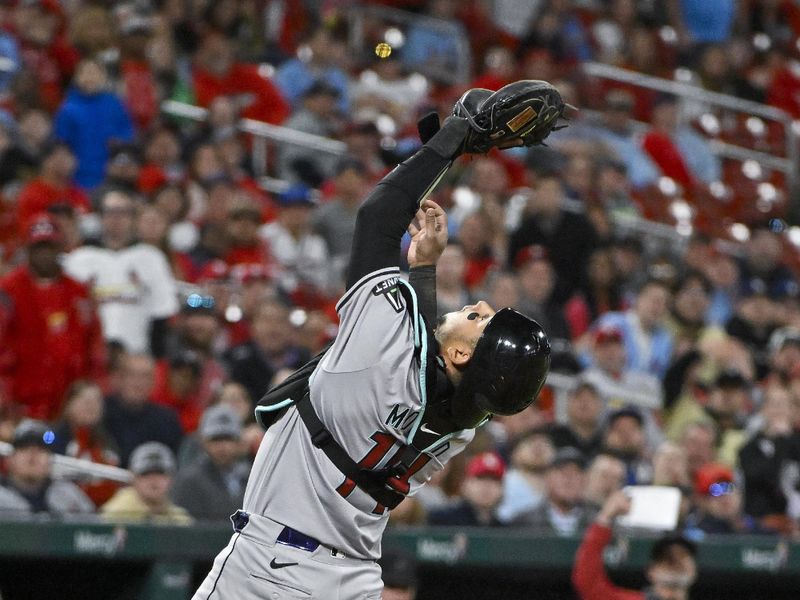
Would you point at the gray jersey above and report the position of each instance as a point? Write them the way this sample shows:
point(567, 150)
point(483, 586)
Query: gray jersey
point(367, 391)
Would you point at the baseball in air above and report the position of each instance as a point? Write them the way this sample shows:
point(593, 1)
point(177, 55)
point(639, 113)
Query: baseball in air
point(383, 50)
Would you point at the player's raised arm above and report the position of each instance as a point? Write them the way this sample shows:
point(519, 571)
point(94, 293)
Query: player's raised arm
point(389, 209)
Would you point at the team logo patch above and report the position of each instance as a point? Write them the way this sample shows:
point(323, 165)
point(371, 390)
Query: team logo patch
point(522, 118)
point(389, 290)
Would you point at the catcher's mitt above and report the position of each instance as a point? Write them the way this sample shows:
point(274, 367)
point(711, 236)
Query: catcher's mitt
point(522, 113)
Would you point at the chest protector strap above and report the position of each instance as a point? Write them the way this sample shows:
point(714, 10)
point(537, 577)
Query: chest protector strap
point(295, 391)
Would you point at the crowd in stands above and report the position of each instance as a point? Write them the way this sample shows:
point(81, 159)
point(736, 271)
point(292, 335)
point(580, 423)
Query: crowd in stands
point(152, 289)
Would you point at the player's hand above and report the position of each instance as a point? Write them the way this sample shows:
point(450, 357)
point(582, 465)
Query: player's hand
point(428, 233)
point(617, 504)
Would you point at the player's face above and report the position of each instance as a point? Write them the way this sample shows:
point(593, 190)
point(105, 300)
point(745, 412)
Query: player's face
point(469, 322)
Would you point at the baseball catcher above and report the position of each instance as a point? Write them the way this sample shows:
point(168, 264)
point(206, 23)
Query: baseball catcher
point(369, 420)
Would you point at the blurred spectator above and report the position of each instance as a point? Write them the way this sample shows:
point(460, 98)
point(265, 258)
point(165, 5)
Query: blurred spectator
point(131, 417)
point(562, 512)
point(671, 466)
point(560, 30)
point(89, 120)
point(216, 73)
point(212, 487)
point(602, 294)
point(409, 513)
point(321, 57)
point(335, 220)
point(679, 152)
point(539, 299)
point(764, 260)
point(399, 575)
point(364, 145)
point(123, 170)
point(718, 505)
point(242, 219)
point(80, 434)
point(451, 294)
point(691, 300)
point(583, 427)
point(567, 236)
point(317, 115)
point(671, 570)
point(624, 438)
point(754, 320)
point(699, 441)
point(701, 21)
point(648, 343)
point(523, 485)
point(52, 187)
point(301, 254)
point(481, 494)
point(46, 54)
point(197, 330)
point(728, 403)
point(50, 333)
point(723, 274)
point(28, 487)
point(162, 164)
point(270, 348)
point(138, 83)
point(604, 477)
point(502, 289)
point(770, 463)
point(499, 69)
point(146, 500)
point(131, 281)
point(618, 384)
point(784, 346)
point(177, 386)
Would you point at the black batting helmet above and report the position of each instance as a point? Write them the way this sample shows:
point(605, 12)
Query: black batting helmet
point(506, 372)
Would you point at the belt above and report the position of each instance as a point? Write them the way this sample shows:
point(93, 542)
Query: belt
point(287, 536)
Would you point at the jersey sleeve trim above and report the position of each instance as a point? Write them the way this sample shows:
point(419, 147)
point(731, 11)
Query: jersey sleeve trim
point(366, 278)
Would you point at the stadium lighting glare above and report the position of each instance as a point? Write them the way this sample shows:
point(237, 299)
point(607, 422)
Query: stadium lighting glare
point(740, 232)
point(667, 186)
point(767, 191)
point(668, 34)
point(793, 233)
point(710, 123)
point(755, 126)
point(761, 42)
point(681, 210)
point(684, 75)
point(394, 37)
point(752, 169)
point(718, 189)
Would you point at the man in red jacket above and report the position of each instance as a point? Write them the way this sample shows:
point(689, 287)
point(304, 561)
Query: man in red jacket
point(49, 331)
point(671, 571)
point(217, 73)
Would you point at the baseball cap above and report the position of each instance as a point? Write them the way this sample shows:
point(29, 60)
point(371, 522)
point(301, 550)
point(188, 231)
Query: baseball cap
point(321, 88)
point(214, 270)
point(626, 411)
point(296, 195)
point(249, 272)
point(568, 456)
point(608, 333)
point(486, 464)
point(124, 154)
point(186, 358)
point(398, 569)
point(755, 286)
point(42, 228)
point(220, 422)
point(152, 457)
point(32, 433)
point(714, 480)
point(529, 254)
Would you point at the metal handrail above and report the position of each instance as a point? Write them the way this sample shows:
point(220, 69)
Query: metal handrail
point(261, 129)
point(68, 467)
point(685, 90)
